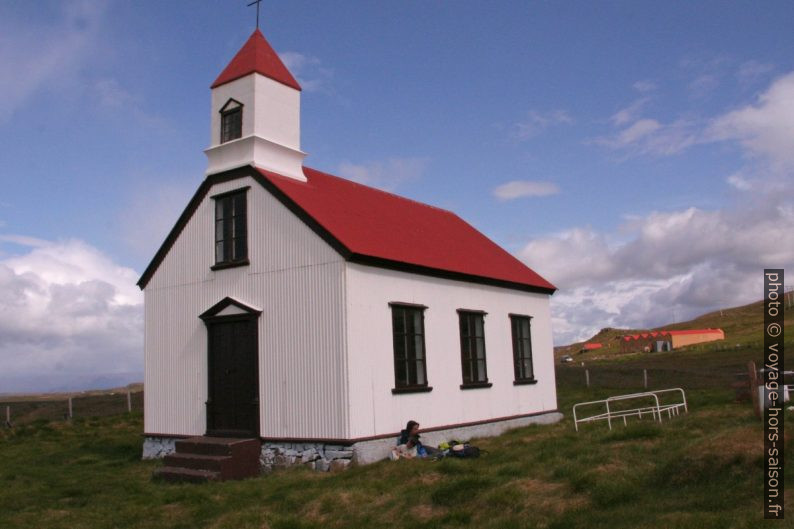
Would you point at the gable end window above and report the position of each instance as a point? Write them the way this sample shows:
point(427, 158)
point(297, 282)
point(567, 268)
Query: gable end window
point(472, 349)
point(522, 349)
point(231, 231)
point(408, 337)
point(231, 121)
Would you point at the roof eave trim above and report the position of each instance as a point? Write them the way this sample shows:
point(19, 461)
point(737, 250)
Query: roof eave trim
point(379, 262)
point(294, 86)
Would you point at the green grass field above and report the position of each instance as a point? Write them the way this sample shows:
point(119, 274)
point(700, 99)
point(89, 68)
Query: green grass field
point(699, 470)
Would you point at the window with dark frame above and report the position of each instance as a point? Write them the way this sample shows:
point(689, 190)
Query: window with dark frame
point(408, 330)
point(231, 121)
point(231, 233)
point(522, 348)
point(472, 349)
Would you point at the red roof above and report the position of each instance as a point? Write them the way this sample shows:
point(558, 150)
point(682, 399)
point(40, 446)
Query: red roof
point(671, 333)
point(592, 346)
point(256, 55)
point(697, 331)
point(388, 228)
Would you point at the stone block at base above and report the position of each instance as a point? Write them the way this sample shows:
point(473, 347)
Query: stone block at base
point(335, 457)
point(158, 447)
point(371, 451)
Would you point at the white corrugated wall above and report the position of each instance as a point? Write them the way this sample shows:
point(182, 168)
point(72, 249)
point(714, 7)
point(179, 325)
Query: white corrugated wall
point(374, 410)
point(297, 281)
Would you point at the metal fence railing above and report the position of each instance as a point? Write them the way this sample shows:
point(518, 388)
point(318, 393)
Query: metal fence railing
point(648, 403)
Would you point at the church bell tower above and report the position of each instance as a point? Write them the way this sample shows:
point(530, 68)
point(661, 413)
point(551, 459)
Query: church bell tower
point(256, 114)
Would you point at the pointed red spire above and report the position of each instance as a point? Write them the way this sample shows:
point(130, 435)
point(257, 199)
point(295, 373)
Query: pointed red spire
point(256, 56)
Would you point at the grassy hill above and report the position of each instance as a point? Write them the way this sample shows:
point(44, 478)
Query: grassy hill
point(700, 470)
point(743, 328)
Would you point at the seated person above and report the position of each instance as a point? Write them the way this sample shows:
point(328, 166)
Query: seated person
point(409, 437)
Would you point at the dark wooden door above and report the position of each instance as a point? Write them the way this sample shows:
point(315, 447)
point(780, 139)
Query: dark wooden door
point(233, 405)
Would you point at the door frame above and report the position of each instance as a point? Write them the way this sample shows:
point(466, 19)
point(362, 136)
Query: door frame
point(229, 310)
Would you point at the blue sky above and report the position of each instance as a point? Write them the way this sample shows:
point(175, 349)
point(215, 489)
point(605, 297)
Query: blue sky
point(637, 154)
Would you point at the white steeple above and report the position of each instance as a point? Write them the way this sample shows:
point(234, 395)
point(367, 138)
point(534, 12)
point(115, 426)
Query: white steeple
point(256, 114)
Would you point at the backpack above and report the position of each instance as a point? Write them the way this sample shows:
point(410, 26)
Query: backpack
point(464, 450)
point(471, 451)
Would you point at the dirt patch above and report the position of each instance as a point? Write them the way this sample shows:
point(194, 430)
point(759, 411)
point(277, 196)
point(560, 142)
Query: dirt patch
point(313, 512)
point(549, 497)
point(614, 467)
point(173, 511)
point(427, 512)
point(738, 442)
point(430, 478)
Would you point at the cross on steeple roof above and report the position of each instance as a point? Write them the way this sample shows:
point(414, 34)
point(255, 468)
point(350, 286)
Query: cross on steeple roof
point(257, 2)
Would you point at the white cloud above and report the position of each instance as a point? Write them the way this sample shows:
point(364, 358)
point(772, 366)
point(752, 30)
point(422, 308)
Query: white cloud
point(689, 261)
point(309, 70)
point(644, 86)
point(36, 58)
point(536, 122)
point(752, 70)
point(387, 175)
point(629, 113)
point(637, 131)
point(650, 137)
point(738, 181)
point(525, 188)
point(765, 129)
point(24, 240)
point(67, 309)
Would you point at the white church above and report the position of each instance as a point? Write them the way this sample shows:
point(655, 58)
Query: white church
point(314, 316)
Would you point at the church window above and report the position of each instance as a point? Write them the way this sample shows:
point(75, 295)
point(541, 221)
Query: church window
point(231, 231)
point(231, 121)
point(472, 349)
point(522, 349)
point(408, 332)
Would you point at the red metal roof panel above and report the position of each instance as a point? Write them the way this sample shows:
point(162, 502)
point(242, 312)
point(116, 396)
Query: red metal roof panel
point(373, 223)
point(258, 56)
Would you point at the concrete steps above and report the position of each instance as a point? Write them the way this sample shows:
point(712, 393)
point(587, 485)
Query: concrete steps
point(201, 459)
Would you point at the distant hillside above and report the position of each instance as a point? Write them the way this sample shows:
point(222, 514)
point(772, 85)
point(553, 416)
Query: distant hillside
point(743, 326)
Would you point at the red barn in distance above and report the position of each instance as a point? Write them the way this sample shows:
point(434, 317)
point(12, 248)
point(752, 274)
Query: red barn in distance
point(657, 341)
point(591, 346)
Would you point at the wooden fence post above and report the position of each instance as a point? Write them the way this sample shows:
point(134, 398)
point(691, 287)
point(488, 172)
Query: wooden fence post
point(645, 378)
point(129, 402)
point(70, 407)
point(587, 377)
point(753, 375)
point(8, 416)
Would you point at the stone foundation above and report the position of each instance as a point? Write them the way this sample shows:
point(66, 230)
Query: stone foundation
point(317, 456)
point(371, 451)
point(324, 457)
point(158, 447)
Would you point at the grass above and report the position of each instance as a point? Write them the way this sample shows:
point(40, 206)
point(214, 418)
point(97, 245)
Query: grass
point(698, 470)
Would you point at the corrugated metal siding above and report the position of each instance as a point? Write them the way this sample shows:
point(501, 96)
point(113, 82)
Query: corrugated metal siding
point(298, 282)
point(374, 410)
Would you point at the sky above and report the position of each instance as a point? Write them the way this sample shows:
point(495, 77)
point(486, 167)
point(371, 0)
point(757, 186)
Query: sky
point(637, 154)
